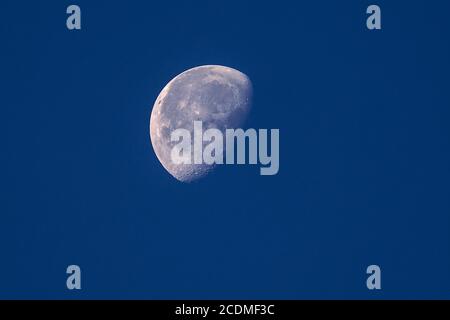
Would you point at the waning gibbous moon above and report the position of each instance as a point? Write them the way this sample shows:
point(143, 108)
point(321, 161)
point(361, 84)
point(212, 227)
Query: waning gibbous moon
point(220, 97)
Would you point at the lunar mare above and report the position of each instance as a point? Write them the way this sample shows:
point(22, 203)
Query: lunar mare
point(220, 97)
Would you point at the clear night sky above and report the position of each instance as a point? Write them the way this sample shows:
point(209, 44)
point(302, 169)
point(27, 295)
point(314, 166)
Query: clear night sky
point(364, 157)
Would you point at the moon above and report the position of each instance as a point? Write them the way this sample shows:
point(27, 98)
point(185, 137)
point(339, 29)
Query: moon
point(219, 96)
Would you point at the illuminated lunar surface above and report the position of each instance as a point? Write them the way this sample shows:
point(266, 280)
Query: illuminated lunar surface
point(219, 96)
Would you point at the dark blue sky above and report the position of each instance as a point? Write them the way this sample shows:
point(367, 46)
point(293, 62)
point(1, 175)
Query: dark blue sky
point(364, 157)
